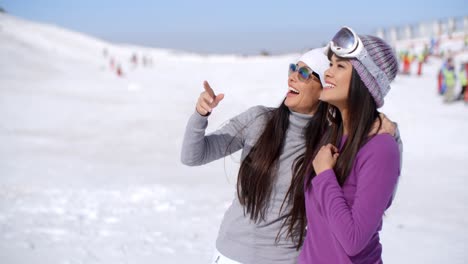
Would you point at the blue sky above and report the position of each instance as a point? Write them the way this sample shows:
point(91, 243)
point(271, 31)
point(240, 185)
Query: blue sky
point(229, 26)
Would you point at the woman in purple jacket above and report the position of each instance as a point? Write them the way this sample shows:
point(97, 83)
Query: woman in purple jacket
point(353, 173)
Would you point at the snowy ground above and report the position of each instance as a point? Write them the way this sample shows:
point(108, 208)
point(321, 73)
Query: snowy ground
point(89, 161)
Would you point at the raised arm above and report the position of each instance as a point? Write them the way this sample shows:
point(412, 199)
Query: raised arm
point(198, 148)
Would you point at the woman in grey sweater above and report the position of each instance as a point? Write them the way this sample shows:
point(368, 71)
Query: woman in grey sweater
point(273, 141)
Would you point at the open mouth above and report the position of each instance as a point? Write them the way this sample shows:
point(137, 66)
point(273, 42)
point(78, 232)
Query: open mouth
point(328, 86)
point(293, 91)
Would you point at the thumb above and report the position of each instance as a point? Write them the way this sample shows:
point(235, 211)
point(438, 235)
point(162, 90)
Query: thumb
point(218, 99)
point(335, 156)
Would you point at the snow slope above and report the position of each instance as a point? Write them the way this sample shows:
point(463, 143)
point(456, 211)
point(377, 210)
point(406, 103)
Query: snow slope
point(89, 161)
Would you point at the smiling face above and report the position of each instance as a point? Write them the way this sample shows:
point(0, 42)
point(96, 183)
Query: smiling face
point(338, 80)
point(302, 96)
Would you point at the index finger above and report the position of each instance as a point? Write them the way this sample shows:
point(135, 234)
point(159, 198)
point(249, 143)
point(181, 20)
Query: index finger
point(208, 89)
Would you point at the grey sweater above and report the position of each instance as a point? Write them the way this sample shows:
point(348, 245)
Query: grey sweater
point(239, 238)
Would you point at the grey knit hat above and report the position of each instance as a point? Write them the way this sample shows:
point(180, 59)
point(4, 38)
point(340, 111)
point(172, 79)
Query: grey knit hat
point(382, 55)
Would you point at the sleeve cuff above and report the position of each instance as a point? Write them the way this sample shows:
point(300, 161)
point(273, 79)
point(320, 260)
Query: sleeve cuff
point(198, 115)
point(323, 176)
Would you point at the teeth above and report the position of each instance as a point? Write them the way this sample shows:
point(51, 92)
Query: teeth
point(294, 90)
point(329, 86)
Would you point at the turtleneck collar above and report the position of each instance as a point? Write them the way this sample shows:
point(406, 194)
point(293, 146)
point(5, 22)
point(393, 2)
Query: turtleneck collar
point(298, 121)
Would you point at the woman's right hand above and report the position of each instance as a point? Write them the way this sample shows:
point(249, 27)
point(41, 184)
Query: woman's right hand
point(325, 159)
point(208, 100)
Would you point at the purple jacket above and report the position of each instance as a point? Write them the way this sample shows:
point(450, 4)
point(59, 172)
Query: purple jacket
point(343, 223)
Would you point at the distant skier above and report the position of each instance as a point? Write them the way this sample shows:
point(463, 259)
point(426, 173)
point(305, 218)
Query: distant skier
point(426, 53)
point(420, 63)
point(450, 79)
point(105, 52)
point(440, 79)
point(406, 63)
point(112, 63)
point(119, 71)
point(465, 41)
point(134, 59)
point(462, 75)
point(431, 46)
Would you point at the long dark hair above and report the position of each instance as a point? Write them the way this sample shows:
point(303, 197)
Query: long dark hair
point(257, 170)
point(295, 219)
point(364, 112)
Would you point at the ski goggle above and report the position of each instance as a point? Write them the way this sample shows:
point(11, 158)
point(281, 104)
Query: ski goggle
point(304, 72)
point(346, 43)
